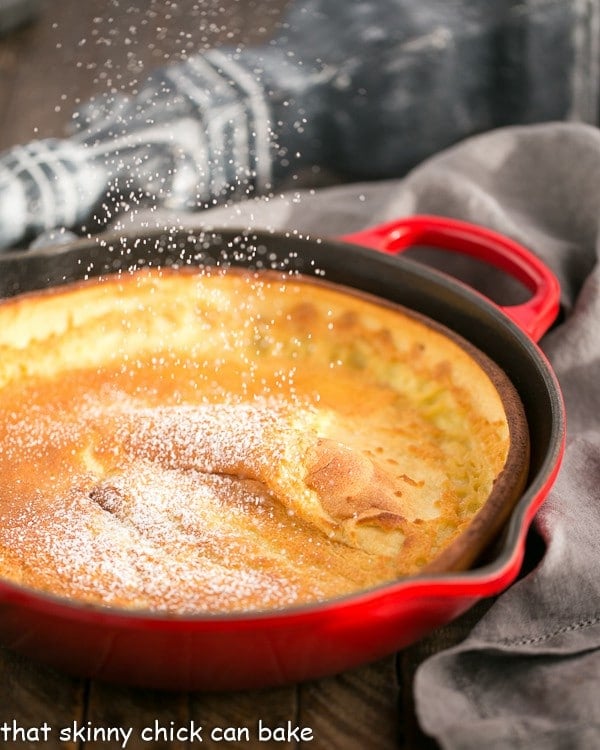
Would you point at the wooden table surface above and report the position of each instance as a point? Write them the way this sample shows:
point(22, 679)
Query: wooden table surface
point(73, 50)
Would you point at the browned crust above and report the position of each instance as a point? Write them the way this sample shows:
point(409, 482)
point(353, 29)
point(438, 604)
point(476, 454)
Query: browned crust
point(349, 484)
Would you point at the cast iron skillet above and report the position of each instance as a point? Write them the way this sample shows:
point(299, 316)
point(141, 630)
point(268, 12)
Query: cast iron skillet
point(242, 651)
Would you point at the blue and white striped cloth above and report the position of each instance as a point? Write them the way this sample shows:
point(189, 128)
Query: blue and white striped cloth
point(361, 90)
point(197, 133)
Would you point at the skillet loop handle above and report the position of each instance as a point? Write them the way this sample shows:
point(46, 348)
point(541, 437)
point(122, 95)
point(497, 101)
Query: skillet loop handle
point(534, 317)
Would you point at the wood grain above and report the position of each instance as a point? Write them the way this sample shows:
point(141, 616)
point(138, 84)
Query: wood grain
point(32, 695)
point(221, 713)
point(354, 710)
point(150, 718)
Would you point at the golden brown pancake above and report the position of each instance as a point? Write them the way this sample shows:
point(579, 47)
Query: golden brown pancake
point(216, 441)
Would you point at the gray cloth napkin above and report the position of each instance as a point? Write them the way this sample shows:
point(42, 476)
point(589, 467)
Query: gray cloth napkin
point(528, 675)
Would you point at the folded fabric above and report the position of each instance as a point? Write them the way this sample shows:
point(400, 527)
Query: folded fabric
point(402, 81)
point(528, 674)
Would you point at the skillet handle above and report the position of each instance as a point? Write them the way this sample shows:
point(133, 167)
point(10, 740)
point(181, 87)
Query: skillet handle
point(534, 317)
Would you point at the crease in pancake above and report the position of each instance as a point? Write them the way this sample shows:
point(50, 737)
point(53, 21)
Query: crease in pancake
point(341, 491)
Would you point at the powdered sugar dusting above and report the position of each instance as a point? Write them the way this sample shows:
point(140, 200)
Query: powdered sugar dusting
point(167, 508)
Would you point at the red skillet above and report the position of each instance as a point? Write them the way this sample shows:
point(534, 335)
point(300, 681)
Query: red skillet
point(241, 651)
